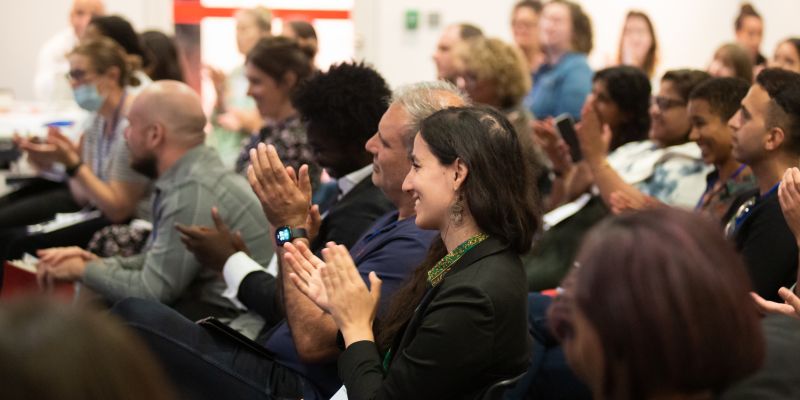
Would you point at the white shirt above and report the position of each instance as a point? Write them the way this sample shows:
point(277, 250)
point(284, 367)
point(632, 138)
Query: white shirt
point(50, 83)
point(239, 265)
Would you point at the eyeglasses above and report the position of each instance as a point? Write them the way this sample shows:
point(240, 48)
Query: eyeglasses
point(77, 75)
point(665, 103)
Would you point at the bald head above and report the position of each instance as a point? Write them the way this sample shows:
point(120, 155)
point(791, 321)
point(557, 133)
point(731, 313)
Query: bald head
point(82, 12)
point(174, 105)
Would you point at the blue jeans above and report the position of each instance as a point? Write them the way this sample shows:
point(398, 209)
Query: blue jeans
point(203, 364)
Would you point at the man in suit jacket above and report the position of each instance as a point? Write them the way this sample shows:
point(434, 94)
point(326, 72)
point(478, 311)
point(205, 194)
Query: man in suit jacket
point(304, 345)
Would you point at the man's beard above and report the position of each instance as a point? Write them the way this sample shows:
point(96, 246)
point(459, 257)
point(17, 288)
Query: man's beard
point(147, 165)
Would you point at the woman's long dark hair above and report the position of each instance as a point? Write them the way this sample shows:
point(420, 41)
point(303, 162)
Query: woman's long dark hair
point(629, 88)
point(497, 191)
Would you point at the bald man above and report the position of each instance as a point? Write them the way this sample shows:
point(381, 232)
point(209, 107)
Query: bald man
point(165, 137)
point(49, 82)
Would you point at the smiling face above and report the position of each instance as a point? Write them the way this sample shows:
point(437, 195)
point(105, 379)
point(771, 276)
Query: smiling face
point(525, 27)
point(432, 185)
point(270, 96)
point(636, 40)
point(670, 122)
point(750, 34)
point(786, 57)
point(710, 132)
point(609, 110)
point(749, 126)
point(556, 27)
point(389, 152)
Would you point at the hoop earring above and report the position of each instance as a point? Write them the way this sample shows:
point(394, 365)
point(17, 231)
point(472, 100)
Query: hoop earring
point(457, 210)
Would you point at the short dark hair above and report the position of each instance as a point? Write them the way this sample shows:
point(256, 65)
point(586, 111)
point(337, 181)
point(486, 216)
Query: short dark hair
point(534, 5)
point(724, 95)
point(122, 32)
point(582, 41)
point(468, 31)
point(348, 101)
point(670, 305)
point(783, 88)
point(277, 55)
point(488, 144)
point(746, 10)
point(630, 89)
point(685, 80)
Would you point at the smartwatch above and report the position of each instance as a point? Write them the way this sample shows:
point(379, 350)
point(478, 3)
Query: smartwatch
point(286, 234)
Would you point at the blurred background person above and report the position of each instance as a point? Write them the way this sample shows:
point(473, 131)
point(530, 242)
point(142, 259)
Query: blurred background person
point(638, 45)
point(51, 66)
point(563, 81)
point(52, 351)
point(305, 35)
point(667, 315)
point(787, 55)
point(731, 61)
point(525, 28)
point(121, 31)
point(443, 56)
point(235, 116)
point(163, 52)
point(749, 29)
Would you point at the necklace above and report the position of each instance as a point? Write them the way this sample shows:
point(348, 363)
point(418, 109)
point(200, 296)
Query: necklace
point(437, 273)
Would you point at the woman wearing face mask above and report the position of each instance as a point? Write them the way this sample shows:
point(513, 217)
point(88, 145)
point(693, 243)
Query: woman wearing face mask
point(458, 325)
point(97, 168)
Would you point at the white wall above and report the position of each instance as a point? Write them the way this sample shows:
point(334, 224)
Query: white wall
point(687, 38)
point(26, 25)
point(688, 30)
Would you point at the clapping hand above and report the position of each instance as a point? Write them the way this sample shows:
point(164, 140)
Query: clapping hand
point(285, 196)
point(304, 272)
point(211, 246)
point(790, 307)
point(789, 197)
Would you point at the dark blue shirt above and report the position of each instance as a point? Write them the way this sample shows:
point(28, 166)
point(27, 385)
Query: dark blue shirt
point(392, 249)
point(561, 87)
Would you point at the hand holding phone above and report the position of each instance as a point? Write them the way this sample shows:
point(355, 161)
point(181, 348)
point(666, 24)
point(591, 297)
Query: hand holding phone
point(565, 127)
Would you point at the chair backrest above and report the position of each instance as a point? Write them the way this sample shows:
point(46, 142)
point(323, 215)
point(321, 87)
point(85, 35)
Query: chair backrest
point(498, 389)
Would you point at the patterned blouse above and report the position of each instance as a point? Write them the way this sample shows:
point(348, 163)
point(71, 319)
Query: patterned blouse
point(289, 139)
point(717, 199)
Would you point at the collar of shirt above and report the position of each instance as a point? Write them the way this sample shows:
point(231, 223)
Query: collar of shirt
point(349, 181)
point(182, 167)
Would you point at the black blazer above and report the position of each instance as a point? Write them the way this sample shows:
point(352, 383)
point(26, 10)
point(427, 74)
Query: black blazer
point(466, 334)
point(346, 221)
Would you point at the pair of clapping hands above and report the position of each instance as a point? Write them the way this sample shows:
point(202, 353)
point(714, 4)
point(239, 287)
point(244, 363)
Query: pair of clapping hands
point(333, 284)
point(789, 197)
point(55, 148)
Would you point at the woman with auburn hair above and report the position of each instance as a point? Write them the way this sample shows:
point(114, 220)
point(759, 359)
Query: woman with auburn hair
point(667, 314)
point(458, 325)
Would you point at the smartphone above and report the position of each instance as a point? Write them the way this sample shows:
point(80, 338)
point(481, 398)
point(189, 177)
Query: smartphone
point(565, 127)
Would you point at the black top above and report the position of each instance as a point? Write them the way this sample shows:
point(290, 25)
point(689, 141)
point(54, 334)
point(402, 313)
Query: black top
point(767, 245)
point(468, 332)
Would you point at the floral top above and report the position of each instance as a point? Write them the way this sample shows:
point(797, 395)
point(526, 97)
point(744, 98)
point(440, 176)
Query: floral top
point(717, 199)
point(289, 139)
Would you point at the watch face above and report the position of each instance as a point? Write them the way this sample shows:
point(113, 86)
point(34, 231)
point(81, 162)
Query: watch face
point(283, 235)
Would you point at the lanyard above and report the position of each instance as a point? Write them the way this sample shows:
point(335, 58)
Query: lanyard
point(710, 188)
point(106, 141)
point(745, 210)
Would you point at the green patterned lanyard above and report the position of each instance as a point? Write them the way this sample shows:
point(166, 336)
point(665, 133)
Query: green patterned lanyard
point(437, 273)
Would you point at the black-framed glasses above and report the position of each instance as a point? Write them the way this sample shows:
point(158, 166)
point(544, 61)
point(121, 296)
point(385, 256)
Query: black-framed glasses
point(665, 103)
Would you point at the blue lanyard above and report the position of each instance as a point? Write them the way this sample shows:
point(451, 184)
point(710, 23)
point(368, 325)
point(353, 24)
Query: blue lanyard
point(711, 186)
point(103, 149)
